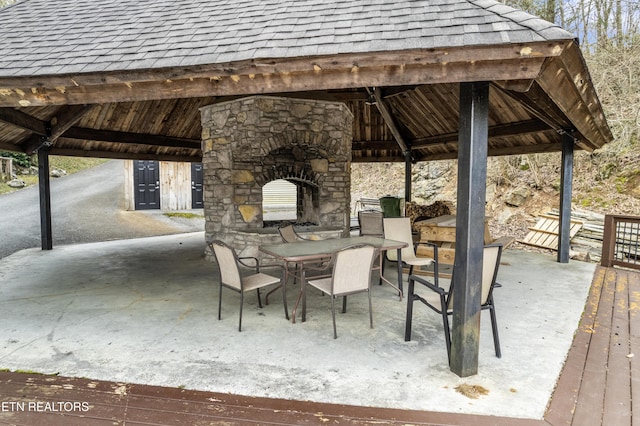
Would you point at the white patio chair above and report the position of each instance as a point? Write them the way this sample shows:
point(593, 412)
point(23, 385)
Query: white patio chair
point(371, 223)
point(230, 276)
point(351, 274)
point(399, 229)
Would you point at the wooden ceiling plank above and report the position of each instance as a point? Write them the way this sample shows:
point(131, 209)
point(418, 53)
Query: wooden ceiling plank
point(537, 102)
point(565, 87)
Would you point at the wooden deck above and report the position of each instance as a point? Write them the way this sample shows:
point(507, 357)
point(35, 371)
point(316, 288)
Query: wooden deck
point(595, 387)
point(602, 370)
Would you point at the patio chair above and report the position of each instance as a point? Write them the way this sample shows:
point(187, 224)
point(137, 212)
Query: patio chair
point(371, 223)
point(351, 274)
point(230, 276)
point(440, 299)
point(289, 234)
point(399, 229)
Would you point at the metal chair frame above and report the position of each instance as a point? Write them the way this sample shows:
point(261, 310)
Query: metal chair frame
point(255, 281)
point(445, 307)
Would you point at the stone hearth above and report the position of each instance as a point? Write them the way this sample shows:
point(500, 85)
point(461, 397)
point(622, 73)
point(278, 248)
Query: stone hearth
point(252, 141)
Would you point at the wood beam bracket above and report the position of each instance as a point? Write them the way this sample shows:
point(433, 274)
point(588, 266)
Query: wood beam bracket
point(37, 142)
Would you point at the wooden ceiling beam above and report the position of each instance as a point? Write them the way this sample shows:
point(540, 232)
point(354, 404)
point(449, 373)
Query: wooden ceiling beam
point(10, 147)
point(374, 146)
point(24, 121)
point(35, 142)
point(305, 64)
point(131, 138)
point(252, 84)
point(334, 96)
point(67, 117)
point(385, 159)
point(502, 130)
point(450, 140)
point(124, 155)
point(495, 152)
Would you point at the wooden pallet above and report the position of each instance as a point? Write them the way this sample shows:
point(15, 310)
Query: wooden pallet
point(545, 233)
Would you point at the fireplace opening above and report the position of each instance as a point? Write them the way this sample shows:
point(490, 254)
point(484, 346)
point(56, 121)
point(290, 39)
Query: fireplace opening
point(279, 201)
point(290, 200)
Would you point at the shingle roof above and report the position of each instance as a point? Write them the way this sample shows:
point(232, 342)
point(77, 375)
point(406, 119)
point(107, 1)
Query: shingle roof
point(44, 37)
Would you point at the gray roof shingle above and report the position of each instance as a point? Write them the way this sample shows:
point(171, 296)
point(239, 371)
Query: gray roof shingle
point(41, 37)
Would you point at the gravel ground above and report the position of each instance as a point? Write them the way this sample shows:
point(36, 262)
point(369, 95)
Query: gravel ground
point(86, 207)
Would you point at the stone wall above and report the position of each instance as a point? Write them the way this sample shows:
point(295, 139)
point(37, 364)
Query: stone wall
point(249, 142)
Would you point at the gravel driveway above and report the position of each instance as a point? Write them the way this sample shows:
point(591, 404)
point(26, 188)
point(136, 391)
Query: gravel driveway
point(86, 207)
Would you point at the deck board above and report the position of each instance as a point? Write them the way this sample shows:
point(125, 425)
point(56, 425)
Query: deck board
point(634, 342)
point(617, 398)
point(591, 394)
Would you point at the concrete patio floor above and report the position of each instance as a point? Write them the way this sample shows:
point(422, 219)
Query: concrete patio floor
point(144, 311)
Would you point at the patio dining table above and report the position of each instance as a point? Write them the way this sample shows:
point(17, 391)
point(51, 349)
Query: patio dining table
point(310, 250)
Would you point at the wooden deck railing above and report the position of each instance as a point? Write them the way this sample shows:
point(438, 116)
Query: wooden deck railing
point(621, 241)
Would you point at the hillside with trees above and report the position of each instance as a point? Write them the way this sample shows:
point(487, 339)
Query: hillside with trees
point(521, 187)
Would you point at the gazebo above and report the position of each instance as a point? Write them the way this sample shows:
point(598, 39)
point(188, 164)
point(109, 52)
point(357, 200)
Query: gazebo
point(404, 81)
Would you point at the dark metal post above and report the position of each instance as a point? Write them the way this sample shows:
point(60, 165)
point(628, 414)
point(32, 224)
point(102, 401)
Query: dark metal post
point(407, 176)
point(44, 187)
point(472, 182)
point(566, 188)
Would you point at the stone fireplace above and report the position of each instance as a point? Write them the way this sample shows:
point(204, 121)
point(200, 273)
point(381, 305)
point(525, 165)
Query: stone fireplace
point(249, 142)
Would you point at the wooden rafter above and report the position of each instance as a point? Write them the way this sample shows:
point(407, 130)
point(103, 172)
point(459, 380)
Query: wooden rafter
point(64, 119)
point(67, 117)
point(24, 121)
point(502, 130)
point(385, 111)
point(124, 155)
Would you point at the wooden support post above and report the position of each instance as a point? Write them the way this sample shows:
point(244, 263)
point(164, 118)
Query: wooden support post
point(407, 176)
point(608, 241)
point(44, 187)
point(472, 178)
point(566, 188)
